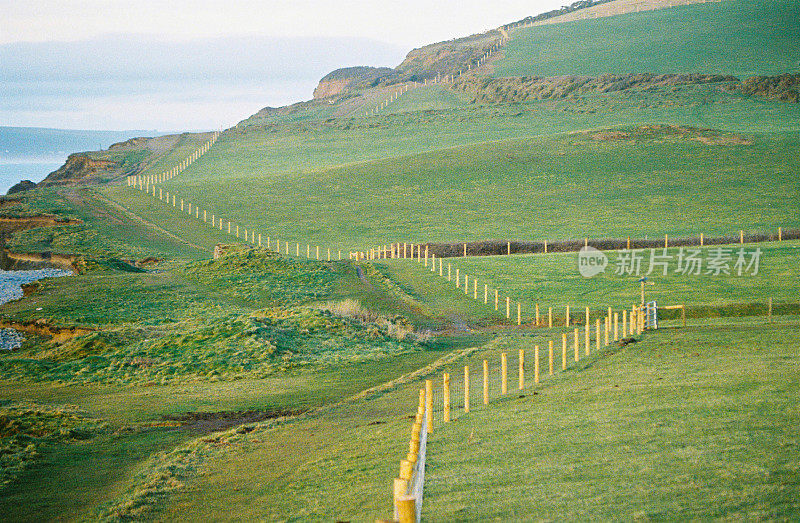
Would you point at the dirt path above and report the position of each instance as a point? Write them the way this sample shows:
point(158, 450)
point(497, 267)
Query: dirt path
point(363, 278)
point(123, 212)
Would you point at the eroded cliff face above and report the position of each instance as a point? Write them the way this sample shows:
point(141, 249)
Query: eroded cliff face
point(340, 81)
point(79, 167)
point(330, 88)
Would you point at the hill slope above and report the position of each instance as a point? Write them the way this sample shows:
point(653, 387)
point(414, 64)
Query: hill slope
point(738, 37)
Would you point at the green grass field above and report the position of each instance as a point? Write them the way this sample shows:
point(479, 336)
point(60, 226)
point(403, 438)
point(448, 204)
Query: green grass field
point(687, 424)
point(738, 37)
point(528, 188)
point(235, 388)
point(553, 280)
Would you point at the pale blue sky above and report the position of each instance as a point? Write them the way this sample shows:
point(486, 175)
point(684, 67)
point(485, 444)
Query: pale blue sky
point(191, 64)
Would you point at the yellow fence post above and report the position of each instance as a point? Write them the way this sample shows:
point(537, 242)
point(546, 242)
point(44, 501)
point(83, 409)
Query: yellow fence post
point(587, 341)
point(474, 289)
point(537, 314)
point(508, 307)
point(624, 322)
point(550, 317)
point(503, 373)
point(496, 299)
point(564, 351)
point(429, 405)
point(485, 294)
point(448, 272)
point(550, 356)
point(521, 369)
point(466, 388)
point(616, 322)
point(519, 314)
point(466, 284)
point(446, 397)
point(566, 323)
point(780, 234)
point(485, 382)
point(536, 364)
point(608, 322)
point(577, 343)
point(406, 509)
point(597, 334)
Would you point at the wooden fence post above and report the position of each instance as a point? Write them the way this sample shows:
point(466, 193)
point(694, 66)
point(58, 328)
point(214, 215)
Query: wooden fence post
point(406, 509)
point(503, 373)
point(577, 343)
point(521, 369)
point(702, 239)
point(624, 322)
point(496, 299)
point(608, 326)
point(537, 314)
point(465, 250)
point(466, 388)
point(508, 307)
point(466, 284)
point(519, 314)
point(550, 317)
point(545, 246)
point(429, 405)
point(616, 321)
point(588, 339)
point(741, 237)
point(564, 351)
point(780, 234)
point(769, 311)
point(485, 294)
point(597, 334)
point(566, 324)
point(485, 382)
point(426, 256)
point(536, 364)
point(448, 272)
point(458, 279)
point(446, 397)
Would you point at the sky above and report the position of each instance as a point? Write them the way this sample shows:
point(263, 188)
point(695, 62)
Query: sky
point(206, 64)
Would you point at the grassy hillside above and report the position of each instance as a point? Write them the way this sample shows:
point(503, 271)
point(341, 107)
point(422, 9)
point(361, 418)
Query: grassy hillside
point(520, 189)
point(206, 389)
point(686, 424)
point(738, 37)
point(553, 280)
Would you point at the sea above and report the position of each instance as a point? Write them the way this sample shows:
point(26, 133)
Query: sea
point(11, 289)
point(31, 153)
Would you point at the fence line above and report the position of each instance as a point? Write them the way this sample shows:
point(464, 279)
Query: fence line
point(154, 179)
point(439, 79)
point(457, 397)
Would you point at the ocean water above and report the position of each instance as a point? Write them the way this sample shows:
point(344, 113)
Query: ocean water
point(13, 171)
point(11, 289)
